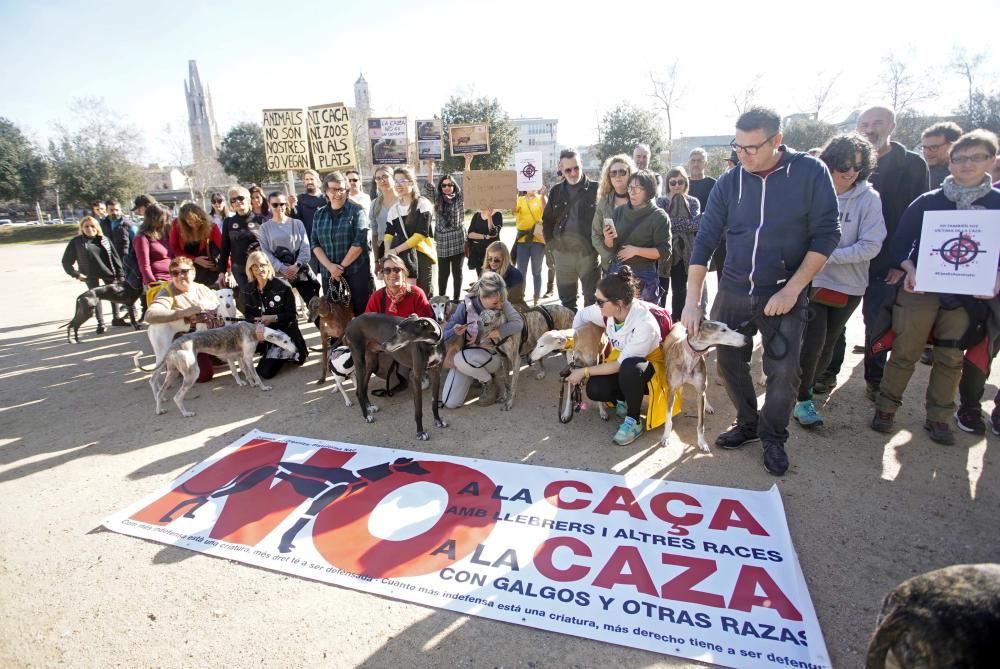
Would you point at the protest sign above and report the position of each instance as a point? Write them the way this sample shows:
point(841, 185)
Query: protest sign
point(469, 140)
point(490, 189)
point(958, 252)
point(331, 138)
point(429, 134)
point(699, 572)
point(528, 165)
point(388, 141)
point(285, 143)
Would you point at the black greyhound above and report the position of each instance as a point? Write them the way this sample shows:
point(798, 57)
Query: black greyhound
point(412, 342)
point(115, 293)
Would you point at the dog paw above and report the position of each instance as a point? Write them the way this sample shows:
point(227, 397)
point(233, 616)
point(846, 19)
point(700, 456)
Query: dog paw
point(187, 414)
point(540, 375)
point(372, 408)
point(440, 423)
point(506, 406)
point(369, 418)
point(160, 412)
point(265, 388)
point(663, 442)
point(703, 445)
point(348, 403)
point(422, 436)
point(709, 408)
point(604, 414)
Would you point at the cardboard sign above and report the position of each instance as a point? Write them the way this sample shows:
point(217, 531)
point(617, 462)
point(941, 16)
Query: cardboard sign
point(490, 189)
point(285, 143)
point(700, 572)
point(388, 141)
point(429, 135)
point(528, 165)
point(469, 140)
point(959, 252)
point(331, 138)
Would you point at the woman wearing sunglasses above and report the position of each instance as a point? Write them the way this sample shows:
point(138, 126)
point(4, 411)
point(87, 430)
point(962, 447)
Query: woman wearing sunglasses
point(220, 211)
point(398, 297)
point(612, 192)
point(639, 235)
point(837, 289)
point(498, 260)
point(239, 232)
point(449, 234)
point(684, 211)
point(285, 242)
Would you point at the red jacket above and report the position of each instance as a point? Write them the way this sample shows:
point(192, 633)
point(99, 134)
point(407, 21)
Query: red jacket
point(413, 303)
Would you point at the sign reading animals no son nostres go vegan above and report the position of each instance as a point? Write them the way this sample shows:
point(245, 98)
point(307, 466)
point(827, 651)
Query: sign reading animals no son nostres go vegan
point(695, 571)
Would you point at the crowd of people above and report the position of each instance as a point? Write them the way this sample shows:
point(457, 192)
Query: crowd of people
point(799, 240)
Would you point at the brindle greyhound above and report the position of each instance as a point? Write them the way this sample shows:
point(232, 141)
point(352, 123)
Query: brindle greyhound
point(412, 342)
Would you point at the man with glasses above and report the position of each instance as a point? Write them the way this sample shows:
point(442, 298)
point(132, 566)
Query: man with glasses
point(355, 194)
point(778, 212)
point(566, 223)
point(340, 242)
point(935, 143)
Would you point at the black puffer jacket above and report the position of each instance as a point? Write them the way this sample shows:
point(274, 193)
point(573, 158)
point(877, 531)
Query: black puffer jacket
point(94, 257)
point(278, 300)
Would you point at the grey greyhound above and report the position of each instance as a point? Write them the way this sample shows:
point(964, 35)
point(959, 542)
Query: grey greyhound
point(237, 341)
point(413, 342)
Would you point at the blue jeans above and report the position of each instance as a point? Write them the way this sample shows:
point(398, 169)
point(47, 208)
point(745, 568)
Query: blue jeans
point(533, 252)
point(782, 349)
point(649, 282)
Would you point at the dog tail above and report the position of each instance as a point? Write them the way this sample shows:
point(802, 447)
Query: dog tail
point(154, 368)
point(888, 632)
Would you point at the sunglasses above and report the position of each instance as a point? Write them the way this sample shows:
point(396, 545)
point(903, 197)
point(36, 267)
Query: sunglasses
point(618, 173)
point(494, 259)
point(847, 167)
point(278, 205)
point(600, 302)
point(677, 182)
point(217, 202)
point(447, 186)
point(391, 270)
point(238, 198)
point(353, 181)
point(179, 272)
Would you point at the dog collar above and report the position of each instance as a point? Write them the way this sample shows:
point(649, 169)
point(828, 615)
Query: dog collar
point(570, 343)
point(694, 351)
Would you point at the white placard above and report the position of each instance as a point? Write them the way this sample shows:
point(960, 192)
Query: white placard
point(700, 572)
point(528, 165)
point(958, 252)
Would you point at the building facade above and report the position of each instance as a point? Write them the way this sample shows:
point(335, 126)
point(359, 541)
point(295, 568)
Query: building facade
point(201, 117)
point(538, 134)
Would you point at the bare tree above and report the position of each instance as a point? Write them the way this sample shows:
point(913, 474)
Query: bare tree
point(668, 92)
point(748, 96)
point(967, 66)
point(904, 88)
point(819, 95)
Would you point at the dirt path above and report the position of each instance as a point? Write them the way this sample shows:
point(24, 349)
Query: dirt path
point(78, 441)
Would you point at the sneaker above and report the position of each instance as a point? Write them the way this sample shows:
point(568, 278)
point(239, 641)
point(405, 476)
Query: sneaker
point(927, 357)
point(628, 431)
point(824, 383)
point(736, 436)
point(872, 390)
point(775, 458)
point(805, 413)
point(940, 432)
point(858, 348)
point(970, 420)
point(883, 421)
point(995, 422)
point(621, 409)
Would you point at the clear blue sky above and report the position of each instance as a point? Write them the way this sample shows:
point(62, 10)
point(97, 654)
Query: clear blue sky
point(571, 61)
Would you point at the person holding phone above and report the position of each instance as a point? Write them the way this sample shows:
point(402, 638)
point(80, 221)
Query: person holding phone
point(484, 229)
point(639, 235)
point(612, 192)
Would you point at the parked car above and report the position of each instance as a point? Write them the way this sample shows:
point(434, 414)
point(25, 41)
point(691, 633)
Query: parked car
point(6, 221)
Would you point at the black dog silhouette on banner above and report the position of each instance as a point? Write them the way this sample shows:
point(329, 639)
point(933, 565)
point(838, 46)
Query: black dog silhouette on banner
point(324, 485)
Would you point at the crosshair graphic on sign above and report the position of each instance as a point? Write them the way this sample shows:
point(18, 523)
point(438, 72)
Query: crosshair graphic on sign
point(959, 251)
point(528, 171)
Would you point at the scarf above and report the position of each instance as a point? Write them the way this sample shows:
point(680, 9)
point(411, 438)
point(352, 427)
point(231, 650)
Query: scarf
point(964, 196)
point(394, 300)
point(678, 208)
point(450, 211)
point(633, 214)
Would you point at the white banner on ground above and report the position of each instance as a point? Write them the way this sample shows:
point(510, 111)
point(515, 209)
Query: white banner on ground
point(959, 252)
point(528, 165)
point(695, 571)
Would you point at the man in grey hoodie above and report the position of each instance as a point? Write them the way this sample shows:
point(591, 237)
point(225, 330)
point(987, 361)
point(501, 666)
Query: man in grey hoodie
point(838, 288)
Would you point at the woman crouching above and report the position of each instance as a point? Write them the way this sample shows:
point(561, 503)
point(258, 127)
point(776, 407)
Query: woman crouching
point(269, 301)
point(636, 359)
point(478, 358)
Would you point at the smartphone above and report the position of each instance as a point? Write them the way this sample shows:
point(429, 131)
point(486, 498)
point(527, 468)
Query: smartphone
point(609, 224)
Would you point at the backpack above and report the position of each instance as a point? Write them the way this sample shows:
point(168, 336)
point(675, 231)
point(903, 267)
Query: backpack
point(662, 317)
point(131, 265)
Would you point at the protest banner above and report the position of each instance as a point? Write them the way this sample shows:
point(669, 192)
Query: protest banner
point(695, 571)
point(331, 138)
point(489, 189)
point(285, 144)
point(469, 140)
point(959, 252)
point(528, 165)
point(429, 135)
point(388, 140)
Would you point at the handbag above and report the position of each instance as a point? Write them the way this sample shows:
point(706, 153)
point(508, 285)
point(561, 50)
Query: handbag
point(829, 297)
point(409, 257)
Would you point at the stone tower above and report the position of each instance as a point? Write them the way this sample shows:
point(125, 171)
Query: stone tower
point(201, 117)
point(361, 100)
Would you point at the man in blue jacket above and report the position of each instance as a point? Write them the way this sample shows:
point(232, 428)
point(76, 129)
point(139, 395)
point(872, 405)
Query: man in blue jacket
point(778, 213)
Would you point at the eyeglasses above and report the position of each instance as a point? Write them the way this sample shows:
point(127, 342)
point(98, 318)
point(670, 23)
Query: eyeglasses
point(391, 270)
point(179, 272)
point(677, 182)
point(750, 149)
point(238, 198)
point(336, 190)
point(847, 167)
point(402, 182)
point(492, 259)
point(571, 170)
point(260, 265)
point(636, 188)
point(977, 158)
point(278, 205)
point(600, 302)
point(382, 179)
point(618, 173)
point(933, 147)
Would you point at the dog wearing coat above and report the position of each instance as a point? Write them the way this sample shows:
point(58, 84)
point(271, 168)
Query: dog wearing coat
point(237, 341)
point(119, 292)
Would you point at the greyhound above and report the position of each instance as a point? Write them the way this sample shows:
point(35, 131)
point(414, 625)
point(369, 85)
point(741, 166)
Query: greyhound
point(116, 293)
point(508, 350)
point(945, 618)
point(231, 341)
point(684, 358)
point(333, 315)
point(413, 342)
point(584, 347)
point(537, 321)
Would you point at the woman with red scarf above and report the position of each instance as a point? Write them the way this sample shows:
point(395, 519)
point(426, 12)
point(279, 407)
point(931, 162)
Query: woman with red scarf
point(398, 298)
